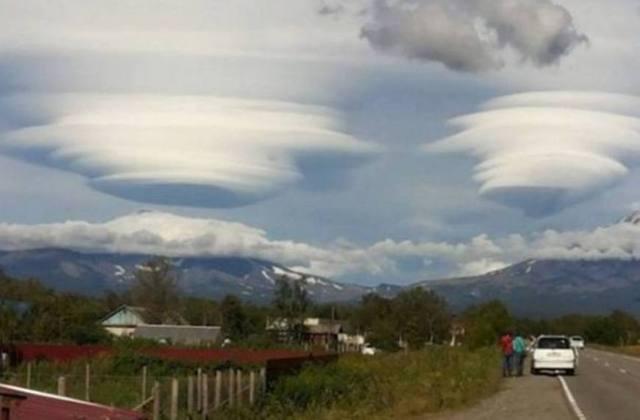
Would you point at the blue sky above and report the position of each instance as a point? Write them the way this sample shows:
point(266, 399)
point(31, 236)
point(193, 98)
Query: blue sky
point(325, 135)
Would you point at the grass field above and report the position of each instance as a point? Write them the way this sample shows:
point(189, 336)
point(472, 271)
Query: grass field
point(115, 380)
point(628, 350)
point(388, 386)
point(392, 385)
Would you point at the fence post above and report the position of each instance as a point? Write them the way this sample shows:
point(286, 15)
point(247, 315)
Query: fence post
point(156, 400)
point(144, 383)
point(205, 396)
point(173, 414)
point(28, 385)
point(263, 380)
point(218, 389)
point(190, 395)
point(239, 387)
point(199, 390)
point(87, 382)
point(62, 386)
point(231, 387)
point(252, 387)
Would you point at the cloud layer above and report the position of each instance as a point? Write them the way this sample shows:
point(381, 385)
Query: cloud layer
point(206, 104)
point(473, 35)
point(183, 150)
point(172, 235)
point(542, 152)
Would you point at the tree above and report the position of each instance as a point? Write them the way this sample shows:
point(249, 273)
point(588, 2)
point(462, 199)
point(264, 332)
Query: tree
point(291, 303)
point(156, 289)
point(421, 316)
point(485, 323)
point(290, 300)
point(233, 317)
point(373, 317)
point(199, 311)
point(628, 326)
point(9, 323)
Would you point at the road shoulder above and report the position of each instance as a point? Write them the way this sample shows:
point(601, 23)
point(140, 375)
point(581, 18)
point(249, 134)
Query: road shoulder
point(527, 397)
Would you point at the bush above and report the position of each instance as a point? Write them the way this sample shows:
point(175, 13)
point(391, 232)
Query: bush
point(387, 386)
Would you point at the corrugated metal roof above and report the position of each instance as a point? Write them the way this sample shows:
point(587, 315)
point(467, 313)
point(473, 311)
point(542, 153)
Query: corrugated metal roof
point(185, 334)
point(129, 316)
point(35, 405)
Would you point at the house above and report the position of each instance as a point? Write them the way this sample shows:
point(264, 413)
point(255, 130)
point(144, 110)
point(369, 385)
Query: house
point(133, 321)
point(123, 321)
point(315, 332)
point(22, 403)
point(322, 333)
point(351, 342)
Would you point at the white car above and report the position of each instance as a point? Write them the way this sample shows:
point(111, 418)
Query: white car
point(577, 342)
point(554, 353)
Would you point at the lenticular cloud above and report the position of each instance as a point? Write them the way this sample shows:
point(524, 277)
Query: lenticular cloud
point(541, 152)
point(183, 150)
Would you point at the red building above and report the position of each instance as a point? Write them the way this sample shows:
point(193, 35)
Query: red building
point(26, 404)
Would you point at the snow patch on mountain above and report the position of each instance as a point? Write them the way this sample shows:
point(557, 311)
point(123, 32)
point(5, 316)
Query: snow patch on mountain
point(120, 271)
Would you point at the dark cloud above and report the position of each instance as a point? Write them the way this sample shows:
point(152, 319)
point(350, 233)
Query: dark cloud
point(472, 35)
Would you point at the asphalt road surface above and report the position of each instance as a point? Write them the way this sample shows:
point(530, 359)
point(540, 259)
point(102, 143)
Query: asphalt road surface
point(607, 386)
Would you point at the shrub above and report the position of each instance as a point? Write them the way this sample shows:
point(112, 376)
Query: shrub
point(387, 386)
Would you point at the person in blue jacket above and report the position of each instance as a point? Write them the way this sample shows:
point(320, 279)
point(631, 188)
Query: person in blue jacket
point(519, 353)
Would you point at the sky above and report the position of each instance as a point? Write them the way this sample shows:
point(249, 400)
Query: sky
point(366, 140)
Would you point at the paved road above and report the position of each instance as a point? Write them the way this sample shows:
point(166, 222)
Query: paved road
point(526, 398)
point(607, 386)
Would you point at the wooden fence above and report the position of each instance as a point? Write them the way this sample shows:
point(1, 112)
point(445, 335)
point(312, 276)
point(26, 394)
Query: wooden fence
point(196, 396)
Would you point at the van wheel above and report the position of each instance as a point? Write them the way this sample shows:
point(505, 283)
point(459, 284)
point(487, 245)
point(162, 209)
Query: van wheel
point(534, 371)
point(571, 372)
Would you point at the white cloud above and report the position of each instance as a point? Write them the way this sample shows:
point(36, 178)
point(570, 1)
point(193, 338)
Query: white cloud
point(472, 35)
point(172, 235)
point(207, 104)
point(193, 150)
point(544, 151)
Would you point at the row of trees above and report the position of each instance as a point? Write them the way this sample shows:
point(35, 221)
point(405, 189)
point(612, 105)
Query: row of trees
point(31, 312)
point(485, 322)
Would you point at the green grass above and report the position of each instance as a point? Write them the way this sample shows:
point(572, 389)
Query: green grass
point(627, 350)
point(115, 380)
point(388, 386)
point(382, 387)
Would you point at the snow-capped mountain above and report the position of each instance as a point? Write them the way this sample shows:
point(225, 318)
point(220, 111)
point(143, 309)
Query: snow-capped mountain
point(532, 287)
point(212, 277)
point(633, 218)
point(550, 287)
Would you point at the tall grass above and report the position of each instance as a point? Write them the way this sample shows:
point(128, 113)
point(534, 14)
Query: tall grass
point(382, 387)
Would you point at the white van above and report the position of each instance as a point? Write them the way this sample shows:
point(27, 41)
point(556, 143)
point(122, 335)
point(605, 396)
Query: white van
point(553, 353)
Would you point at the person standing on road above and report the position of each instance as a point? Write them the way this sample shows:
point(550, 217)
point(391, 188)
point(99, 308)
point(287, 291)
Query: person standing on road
point(519, 353)
point(506, 344)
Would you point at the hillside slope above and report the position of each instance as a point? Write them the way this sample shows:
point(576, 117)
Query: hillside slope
point(212, 277)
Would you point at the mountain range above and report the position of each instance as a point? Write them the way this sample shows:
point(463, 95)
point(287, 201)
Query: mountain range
point(543, 287)
point(214, 277)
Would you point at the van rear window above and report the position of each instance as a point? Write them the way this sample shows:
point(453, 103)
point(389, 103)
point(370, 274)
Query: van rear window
point(553, 343)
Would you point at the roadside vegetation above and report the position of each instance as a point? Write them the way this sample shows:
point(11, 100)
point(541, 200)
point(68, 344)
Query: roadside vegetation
point(618, 329)
point(392, 385)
